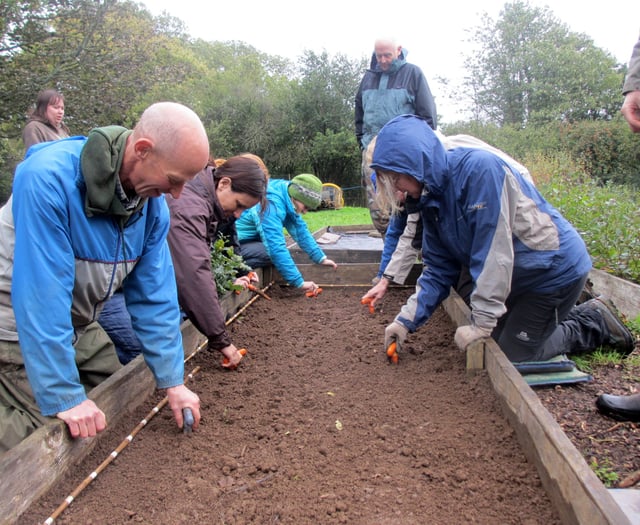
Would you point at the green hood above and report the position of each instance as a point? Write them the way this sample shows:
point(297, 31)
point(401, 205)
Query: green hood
point(100, 162)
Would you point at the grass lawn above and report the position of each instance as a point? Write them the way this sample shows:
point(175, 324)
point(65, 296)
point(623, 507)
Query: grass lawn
point(346, 216)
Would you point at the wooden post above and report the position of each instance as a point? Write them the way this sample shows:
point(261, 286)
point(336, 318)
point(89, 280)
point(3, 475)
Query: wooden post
point(475, 357)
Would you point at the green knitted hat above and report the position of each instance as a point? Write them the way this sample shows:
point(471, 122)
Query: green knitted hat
point(307, 189)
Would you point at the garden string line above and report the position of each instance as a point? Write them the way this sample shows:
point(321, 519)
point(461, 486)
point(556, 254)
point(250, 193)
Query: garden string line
point(76, 492)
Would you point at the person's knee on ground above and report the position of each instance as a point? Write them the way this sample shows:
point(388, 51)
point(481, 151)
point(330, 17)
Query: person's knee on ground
point(535, 327)
point(19, 413)
point(96, 356)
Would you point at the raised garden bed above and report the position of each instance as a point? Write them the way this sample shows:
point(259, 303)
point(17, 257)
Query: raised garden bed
point(424, 440)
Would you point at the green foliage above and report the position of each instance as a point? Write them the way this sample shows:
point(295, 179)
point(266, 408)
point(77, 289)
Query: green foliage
point(603, 150)
point(601, 357)
point(604, 471)
point(11, 152)
point(607, 217)
point(336, 158)
point(225, 265)
point(531, 69)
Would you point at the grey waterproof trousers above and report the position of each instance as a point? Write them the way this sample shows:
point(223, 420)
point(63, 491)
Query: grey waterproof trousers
point(539, 327)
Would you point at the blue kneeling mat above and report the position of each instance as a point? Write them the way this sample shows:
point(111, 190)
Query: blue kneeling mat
point(556, 371)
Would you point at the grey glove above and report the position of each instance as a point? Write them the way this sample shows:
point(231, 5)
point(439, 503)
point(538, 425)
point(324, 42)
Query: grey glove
point(395, 332)
point(465, 335)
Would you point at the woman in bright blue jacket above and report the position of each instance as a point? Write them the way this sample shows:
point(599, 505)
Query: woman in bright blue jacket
point(527, 262)
point(261, 235)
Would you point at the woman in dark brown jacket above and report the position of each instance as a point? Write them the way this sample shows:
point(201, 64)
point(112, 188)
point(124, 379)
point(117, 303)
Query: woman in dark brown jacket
point(45, 122)
point(209, 204)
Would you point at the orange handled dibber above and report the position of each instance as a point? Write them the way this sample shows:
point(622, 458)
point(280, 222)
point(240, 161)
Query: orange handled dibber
point(370, 301)
point(392, 353)
point(225, 360)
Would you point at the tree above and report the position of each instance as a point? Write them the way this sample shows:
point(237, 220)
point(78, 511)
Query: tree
point(531, 69)
point(335, 158)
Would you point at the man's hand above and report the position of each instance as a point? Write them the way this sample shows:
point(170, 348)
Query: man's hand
point(84, 420)
point(395, 332)
point(181, 397)
point(465, 335)
point(631, 110)
point(309, 286)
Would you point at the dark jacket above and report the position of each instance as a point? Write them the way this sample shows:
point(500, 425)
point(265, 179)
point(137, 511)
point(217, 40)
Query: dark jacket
point(196, 219)
point(384, 95)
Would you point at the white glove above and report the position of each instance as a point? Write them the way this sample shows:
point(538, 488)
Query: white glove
point(395, 332)
point(467, 334)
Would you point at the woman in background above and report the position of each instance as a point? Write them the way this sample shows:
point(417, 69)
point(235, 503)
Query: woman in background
point(46, 121)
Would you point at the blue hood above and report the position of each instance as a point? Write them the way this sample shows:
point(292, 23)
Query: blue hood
point(406, 144)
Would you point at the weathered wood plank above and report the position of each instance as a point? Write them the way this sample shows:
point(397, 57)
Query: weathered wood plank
point(577, 493)
point(341, 255)
point(345, 274)
point(31, 468)
point(624, 294)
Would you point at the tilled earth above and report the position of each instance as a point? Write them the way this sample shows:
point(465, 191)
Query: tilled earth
point(315, 426)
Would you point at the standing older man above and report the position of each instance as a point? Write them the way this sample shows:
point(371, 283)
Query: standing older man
point(390, 87)
point(87, 216)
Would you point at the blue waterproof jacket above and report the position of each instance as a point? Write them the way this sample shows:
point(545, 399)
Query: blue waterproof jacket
point(383, 95)
point(478, 212)
point(253, 225)
point(58, 266)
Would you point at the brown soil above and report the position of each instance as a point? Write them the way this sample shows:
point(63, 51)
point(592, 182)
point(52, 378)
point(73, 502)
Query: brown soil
point(317, 427)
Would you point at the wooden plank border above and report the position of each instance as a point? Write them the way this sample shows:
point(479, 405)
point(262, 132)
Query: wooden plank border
point(576, 492)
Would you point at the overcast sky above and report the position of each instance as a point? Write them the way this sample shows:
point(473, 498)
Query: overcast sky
point(435, 35)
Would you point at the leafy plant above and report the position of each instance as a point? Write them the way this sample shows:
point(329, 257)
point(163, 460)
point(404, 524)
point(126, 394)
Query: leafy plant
point(604, 472)
point(225, 266)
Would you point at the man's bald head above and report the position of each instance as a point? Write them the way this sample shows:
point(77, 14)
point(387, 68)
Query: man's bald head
point(167, 148)
point(176, 132)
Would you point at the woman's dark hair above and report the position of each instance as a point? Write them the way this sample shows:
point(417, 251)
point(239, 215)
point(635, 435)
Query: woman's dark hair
point(247, 174)
point(45, 98)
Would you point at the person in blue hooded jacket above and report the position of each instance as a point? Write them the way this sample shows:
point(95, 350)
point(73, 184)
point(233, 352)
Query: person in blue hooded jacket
point(87, 215)
point(261, 235)
point(528, 265)
point(390, 87)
